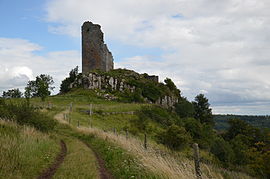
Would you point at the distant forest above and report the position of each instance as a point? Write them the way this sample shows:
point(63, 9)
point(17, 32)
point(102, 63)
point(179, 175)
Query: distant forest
point(221, 121)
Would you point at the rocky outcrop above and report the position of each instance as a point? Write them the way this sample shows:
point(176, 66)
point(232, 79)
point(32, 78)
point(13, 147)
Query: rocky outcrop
point(107, 84)
point(102, 82)
point(167, 101)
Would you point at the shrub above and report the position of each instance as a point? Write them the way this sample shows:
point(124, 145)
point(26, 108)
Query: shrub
point(151, 91)
point(222, 150)
point(184, 108)
point(157, 114)
point(194, 127)
point(175, 137)
point(25, 114)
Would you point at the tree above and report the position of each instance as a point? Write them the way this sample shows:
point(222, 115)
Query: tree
point(240, 149)
point(64, 87)
point(170, 84)
point(237, 126)
point(184, 108)
point(203, 112)
point(13, 93)
point(222, 150)
point(175, 137)
point(194, 127)
point(41, 87)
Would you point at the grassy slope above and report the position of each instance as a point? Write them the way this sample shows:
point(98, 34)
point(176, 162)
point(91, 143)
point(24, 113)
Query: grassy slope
point(124, 158)
point(81, 100)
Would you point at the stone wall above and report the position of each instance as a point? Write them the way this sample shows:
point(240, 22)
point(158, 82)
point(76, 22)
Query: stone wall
point(95, 54)
point(153, 78)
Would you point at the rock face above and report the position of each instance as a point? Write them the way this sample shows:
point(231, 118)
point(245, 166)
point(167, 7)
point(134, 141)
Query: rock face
point(167, 101)
point(95, 54)
point(101, 82)
point(105, 86)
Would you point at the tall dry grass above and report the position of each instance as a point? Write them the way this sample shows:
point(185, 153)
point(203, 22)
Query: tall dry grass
point(24, 151)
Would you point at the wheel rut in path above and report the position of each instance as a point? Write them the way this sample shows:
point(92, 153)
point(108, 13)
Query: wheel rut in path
point(49, 172)
point(103, 172)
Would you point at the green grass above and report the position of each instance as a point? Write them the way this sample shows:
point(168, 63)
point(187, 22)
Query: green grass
point(24, 152)
point(80, 161)
point(118, 161)
point(108, 122)
point(80, 158)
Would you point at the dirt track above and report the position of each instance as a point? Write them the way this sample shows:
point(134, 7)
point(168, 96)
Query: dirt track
point(103, 173)
point(49, 172)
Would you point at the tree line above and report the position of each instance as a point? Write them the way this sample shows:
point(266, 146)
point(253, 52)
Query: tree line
point(41, 87)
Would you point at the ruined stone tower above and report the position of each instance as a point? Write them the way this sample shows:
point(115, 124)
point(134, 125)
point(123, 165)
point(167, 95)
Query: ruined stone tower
point(95, 54)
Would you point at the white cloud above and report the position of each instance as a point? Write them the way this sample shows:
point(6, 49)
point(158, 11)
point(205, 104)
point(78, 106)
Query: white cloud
point(19, 64)
point(218, 47)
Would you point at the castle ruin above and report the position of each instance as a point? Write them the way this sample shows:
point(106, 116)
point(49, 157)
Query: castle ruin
point(95, 53)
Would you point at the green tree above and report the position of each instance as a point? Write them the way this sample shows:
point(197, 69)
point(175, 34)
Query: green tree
point(65, 85)
point(194, 127)
point(41, 87)
point(240, 149)
point(175, 137)
point(184, 108)
point(13, 93)
point(203, 112)
point(170, 84)
point(151, 91)
point(237, 126)
point(222, 150)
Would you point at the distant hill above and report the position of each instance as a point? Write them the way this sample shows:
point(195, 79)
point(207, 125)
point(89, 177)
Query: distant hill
point(257, 121)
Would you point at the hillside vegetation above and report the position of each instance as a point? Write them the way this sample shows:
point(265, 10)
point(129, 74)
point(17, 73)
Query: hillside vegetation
point(115, 130)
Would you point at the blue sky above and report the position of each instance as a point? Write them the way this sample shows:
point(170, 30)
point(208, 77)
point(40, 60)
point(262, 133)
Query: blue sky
point(219, 48)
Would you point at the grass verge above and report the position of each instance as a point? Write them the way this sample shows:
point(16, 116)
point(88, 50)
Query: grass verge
point(24, 151)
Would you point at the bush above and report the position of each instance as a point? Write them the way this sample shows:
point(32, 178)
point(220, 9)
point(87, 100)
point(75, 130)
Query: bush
point(157, 114)
point(151, 91)
point(184, 108)
point(25, 114)
point(174, 137)
point(222, 150)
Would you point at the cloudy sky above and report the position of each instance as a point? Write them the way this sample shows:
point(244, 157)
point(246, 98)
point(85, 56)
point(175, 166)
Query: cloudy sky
point(216, 47)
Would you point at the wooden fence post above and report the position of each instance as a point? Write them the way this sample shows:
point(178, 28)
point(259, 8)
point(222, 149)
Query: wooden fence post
point(90, 109)
point(127, 134)
point(114, 131)
point(197, 161)
point(145, 141)
point(70, 107)
point(78, 124)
